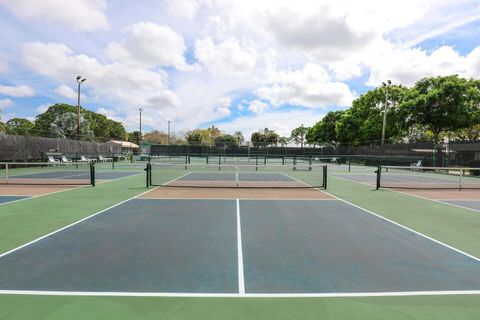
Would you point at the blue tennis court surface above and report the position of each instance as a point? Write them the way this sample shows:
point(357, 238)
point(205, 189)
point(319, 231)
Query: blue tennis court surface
point(471, 204)
point(198, 246)
point(6, 199)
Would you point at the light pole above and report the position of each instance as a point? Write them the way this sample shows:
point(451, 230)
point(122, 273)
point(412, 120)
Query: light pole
point(79, 81)
point(386, 86)
point(168, 132)
point(140, 110)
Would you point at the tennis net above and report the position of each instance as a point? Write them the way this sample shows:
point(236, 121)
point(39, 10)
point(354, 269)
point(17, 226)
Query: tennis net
point(36, 173)
point(236, 176)
point(427, 177)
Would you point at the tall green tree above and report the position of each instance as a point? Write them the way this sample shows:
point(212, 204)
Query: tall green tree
point(134, 136)
point(323, 132)
point(239, 137)
point(364, 120)
point(102, 127)
point(264, 138)
point(298, 135)
point(18, 126)
point(442, 104)
point(283, 141)
point(65, 126)
point(200, 137)
point(225, 140)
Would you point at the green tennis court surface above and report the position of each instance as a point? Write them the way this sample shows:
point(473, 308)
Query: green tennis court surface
point(381, 254)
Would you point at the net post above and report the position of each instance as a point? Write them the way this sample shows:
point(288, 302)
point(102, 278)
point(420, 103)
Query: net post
point(460, 179)
point(92, 174)
point(206, 158)
point(283, 160)
point(113, 160)
point(219, 161)
point(379, 173)
point(256, 163)
point(349, 163)
point(6, 173)
point(148, 172)
point(325, 170)
point(310, 164)
point(265, 160)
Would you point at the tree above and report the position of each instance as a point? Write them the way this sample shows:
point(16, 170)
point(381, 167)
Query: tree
point(18, 126)
point(101, 126)
point(156, 136)
point(214, 132)
point(200, 137)
point(65, 126)
point(298, 135)
point(2, 125)
point(323, 132)
point(442, 104)
point(364, 120)
point(283, 141)
point(264, 138)
point(225, 140)
point(135, 137)
point(239, 137)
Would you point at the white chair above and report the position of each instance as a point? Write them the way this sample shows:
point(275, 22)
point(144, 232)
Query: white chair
point(66, 160)
point(416, 165)
point(51, 160)
point(83, 159)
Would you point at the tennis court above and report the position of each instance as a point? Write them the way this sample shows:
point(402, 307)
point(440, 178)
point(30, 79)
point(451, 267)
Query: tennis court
point(274, 243)
point(233, 231)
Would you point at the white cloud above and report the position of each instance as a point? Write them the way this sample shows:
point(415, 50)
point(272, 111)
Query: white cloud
point(150, 45)
point(66, 92)
point(224, 106)
point(407, 66)
point(309, 87)
point(17, 91)
point(4, 67)
point(225, 58)
point(43, 107)
point(183, 9)
point(258, 106)
point(78, 15)
point(283, 122)
point(5, 103)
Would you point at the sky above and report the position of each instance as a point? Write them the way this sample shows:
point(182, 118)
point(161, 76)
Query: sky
point(239, 65)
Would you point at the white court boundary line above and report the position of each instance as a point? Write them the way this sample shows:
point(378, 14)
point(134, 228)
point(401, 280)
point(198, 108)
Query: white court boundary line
point(241, 278)
point(402, 226)
point(238, 295)
point(70, 225)
point(441, 201)
point(408, 229)
point(28, 197)
point(244, 199)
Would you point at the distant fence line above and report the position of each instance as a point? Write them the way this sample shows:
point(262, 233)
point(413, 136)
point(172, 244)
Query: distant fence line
point(454, 153)
point(27, 148)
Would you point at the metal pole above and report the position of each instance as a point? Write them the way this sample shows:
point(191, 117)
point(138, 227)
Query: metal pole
point(386, 85)
point(140, 110)
point(79, 82)
point(78, 111)
point(168, 132)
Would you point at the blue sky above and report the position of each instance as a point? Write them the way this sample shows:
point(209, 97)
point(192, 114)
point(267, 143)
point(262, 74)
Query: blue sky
point(239, 65)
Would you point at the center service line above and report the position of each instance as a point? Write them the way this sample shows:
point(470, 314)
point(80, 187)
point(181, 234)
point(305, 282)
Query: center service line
point(241, 280)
